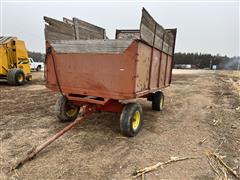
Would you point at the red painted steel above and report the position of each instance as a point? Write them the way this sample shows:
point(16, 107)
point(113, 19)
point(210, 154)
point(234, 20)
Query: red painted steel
point(107, 76)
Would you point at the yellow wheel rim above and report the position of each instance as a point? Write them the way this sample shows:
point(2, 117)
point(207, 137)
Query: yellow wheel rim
point(71, 112)
point(136, 120)
point(20, 77)
point(30, 78)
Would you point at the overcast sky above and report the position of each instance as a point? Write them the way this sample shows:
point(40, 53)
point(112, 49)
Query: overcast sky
point(202, 27)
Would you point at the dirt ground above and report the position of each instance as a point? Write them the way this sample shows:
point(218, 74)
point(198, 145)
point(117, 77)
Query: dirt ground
point(200, 106)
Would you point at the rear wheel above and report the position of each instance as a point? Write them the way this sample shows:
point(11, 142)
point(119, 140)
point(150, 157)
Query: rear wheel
point(16, 77)
point(38, 68)
point(29, 77)
point(131, 119)
point(66, 110)
point(157, 101)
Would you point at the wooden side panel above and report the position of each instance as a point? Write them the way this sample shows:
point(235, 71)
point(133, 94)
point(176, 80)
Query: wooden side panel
point(162, 70)
point(58, 30)
point(85, 30)
point(154, 69)
point(127, 34)
point(71, 29)
point(68, 21)
point(155, 35)
point(143, 67)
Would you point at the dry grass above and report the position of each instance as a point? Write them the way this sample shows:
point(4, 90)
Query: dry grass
point(234, 79)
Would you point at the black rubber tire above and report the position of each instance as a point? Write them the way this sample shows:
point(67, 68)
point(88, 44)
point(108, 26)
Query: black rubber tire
point(12, 76)
point(38, 68)
point(127, 118)
point(29, 78)
point(157, 101)
point(61, 108)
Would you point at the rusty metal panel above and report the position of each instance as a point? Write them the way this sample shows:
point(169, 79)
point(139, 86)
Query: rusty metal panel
point(95, 74)
point(163, 69)
point(155, 69)
point(168, 70)
point(143, 67)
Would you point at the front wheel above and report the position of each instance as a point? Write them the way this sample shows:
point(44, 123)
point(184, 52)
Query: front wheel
point(66, 110)
point(29, 77)
point(15, 76)
point(131, 119)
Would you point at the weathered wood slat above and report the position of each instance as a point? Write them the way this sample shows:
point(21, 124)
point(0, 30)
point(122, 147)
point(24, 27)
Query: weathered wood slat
point(127, 34)
point(85, 30)
point(158, 42)
point(92, 27)
point(148, 20)
point(52, 35)
point(146, 34)
point(72, 29)
point(68, 21)
point(58, 30)
point(62, 26)
point(91, 46)
point(165, 47)
point(154, 34)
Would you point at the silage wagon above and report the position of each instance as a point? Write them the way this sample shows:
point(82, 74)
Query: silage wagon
point(94, 73)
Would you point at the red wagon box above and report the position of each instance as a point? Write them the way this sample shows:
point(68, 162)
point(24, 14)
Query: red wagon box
point(91, 70)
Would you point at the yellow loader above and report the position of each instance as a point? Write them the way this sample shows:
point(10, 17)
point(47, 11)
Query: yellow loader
point(14, 61)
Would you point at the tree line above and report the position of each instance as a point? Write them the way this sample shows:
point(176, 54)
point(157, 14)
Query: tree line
point(37, 56)
point(199, 60)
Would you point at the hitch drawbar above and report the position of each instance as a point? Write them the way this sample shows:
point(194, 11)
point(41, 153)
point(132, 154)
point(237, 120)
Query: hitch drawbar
point(87, 110)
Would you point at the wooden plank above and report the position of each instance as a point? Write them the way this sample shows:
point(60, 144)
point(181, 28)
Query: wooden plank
point(91, 46)
point(89, 26)
point(85, 30)
point(58, 30)
point(68, 21)
point(72, 29)
point(172, 33)
point(148, 20)
point(158, 42)
point(146, 34)
point(165, 47)
point(149, 27)
point(127, 34)
point(53, 35)
point(62, 26)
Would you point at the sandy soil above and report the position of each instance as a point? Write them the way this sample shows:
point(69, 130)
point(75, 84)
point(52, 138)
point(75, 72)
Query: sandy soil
point(199, 105)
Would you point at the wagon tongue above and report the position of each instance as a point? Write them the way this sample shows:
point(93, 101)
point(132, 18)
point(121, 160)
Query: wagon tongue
point(87, 110)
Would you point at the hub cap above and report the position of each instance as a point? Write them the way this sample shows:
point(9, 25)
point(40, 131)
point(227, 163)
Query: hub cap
point(20, 77)
point(136, 120)
point(71, 110)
